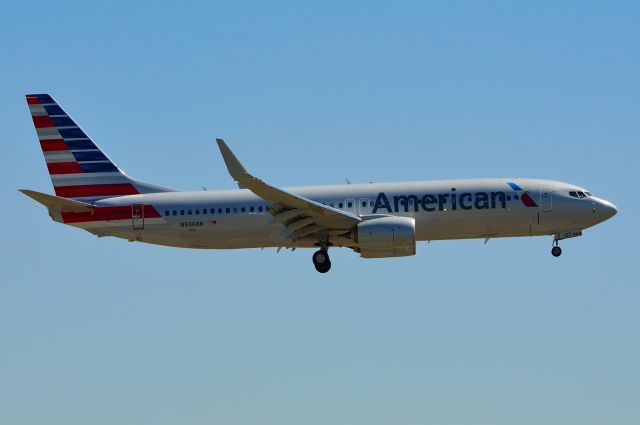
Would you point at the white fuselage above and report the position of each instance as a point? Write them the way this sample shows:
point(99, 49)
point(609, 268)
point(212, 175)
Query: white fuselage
point(443, 209)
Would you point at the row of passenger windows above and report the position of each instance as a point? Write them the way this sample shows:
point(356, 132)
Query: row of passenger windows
point(259, 209)
point(349, 204)
point(235, 210)
point(205, 211)
point(579, 194)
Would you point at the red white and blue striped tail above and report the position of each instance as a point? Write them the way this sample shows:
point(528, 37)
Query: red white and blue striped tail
point(78, 168)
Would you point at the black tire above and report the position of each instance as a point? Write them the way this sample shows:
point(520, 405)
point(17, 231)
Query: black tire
point(556, 251)
point(321, 261)
point(320, 257)
point(324, 267)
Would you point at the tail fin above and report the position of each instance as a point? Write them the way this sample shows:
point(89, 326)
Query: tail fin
point(78, 168)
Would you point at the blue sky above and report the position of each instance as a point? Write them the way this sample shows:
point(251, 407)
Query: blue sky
point(106, 331)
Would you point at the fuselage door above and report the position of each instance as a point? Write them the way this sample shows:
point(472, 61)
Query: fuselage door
point(137, 216)
point(546, 198)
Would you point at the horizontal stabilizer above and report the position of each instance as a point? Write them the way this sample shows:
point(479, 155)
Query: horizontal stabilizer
point(57, 203)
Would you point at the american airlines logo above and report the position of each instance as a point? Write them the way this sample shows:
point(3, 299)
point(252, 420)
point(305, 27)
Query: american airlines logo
point(444, 201)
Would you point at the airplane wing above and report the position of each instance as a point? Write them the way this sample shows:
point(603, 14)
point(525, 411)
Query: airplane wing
point(301, 216)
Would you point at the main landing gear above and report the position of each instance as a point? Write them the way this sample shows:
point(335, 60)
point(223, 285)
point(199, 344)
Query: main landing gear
point(556, 251)
point(321, 260)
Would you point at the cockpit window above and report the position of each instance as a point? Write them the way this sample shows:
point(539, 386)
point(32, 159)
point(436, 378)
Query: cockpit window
point(579, 194)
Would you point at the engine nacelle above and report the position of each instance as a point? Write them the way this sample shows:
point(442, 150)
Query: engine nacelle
point(386, 237)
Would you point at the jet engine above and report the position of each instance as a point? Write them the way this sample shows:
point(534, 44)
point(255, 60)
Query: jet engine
point(386, 237)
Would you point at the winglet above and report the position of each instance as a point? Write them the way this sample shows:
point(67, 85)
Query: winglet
point(326, 216)
point(235, 168)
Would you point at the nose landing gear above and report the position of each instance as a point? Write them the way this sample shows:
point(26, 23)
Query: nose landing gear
point(321, 260)
point(556, 251)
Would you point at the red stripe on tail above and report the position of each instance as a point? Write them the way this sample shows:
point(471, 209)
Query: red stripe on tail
point(53, 145)
point(42, 121)
point(33, 99)
point(96, 190)
point(64, 168)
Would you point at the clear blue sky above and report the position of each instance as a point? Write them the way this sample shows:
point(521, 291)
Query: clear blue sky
point(109, 332)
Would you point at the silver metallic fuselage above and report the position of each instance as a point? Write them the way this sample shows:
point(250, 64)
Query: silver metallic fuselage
point(248, 224)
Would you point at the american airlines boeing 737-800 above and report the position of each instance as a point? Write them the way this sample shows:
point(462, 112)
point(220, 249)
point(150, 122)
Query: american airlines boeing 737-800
point(375, 220)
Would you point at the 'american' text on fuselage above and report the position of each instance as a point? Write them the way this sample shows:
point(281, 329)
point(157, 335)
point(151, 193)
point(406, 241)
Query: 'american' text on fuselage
point(440, 201)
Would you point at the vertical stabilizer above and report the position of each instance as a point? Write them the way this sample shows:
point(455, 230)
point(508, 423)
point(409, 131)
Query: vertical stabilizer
point(77, 166)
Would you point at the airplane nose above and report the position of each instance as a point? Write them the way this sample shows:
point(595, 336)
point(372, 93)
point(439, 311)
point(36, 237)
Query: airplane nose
point(607, 209)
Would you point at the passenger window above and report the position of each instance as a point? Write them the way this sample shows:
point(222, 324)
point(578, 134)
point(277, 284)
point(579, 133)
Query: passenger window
point(251, 209)
point(188, 212)
point(515, 197)
point(235, 209)
point(260, 208)
point(243, 209)
point(508, 197)
point(197, 212)
point(181, 212)
point(364, 203)
point(350, 204)
point(175, 212)
point(166, 212)
point(219, 210)
point(340, 205)
point(228, 210)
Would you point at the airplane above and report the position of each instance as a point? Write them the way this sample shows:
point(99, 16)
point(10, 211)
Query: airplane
point(375, 220)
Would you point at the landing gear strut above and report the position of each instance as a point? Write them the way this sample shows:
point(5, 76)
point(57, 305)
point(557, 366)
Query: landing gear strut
point(556, 251)
point(321, 260)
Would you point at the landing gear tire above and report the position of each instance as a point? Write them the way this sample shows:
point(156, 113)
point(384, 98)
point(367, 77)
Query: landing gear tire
point(321, 261)
point(556, 251)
